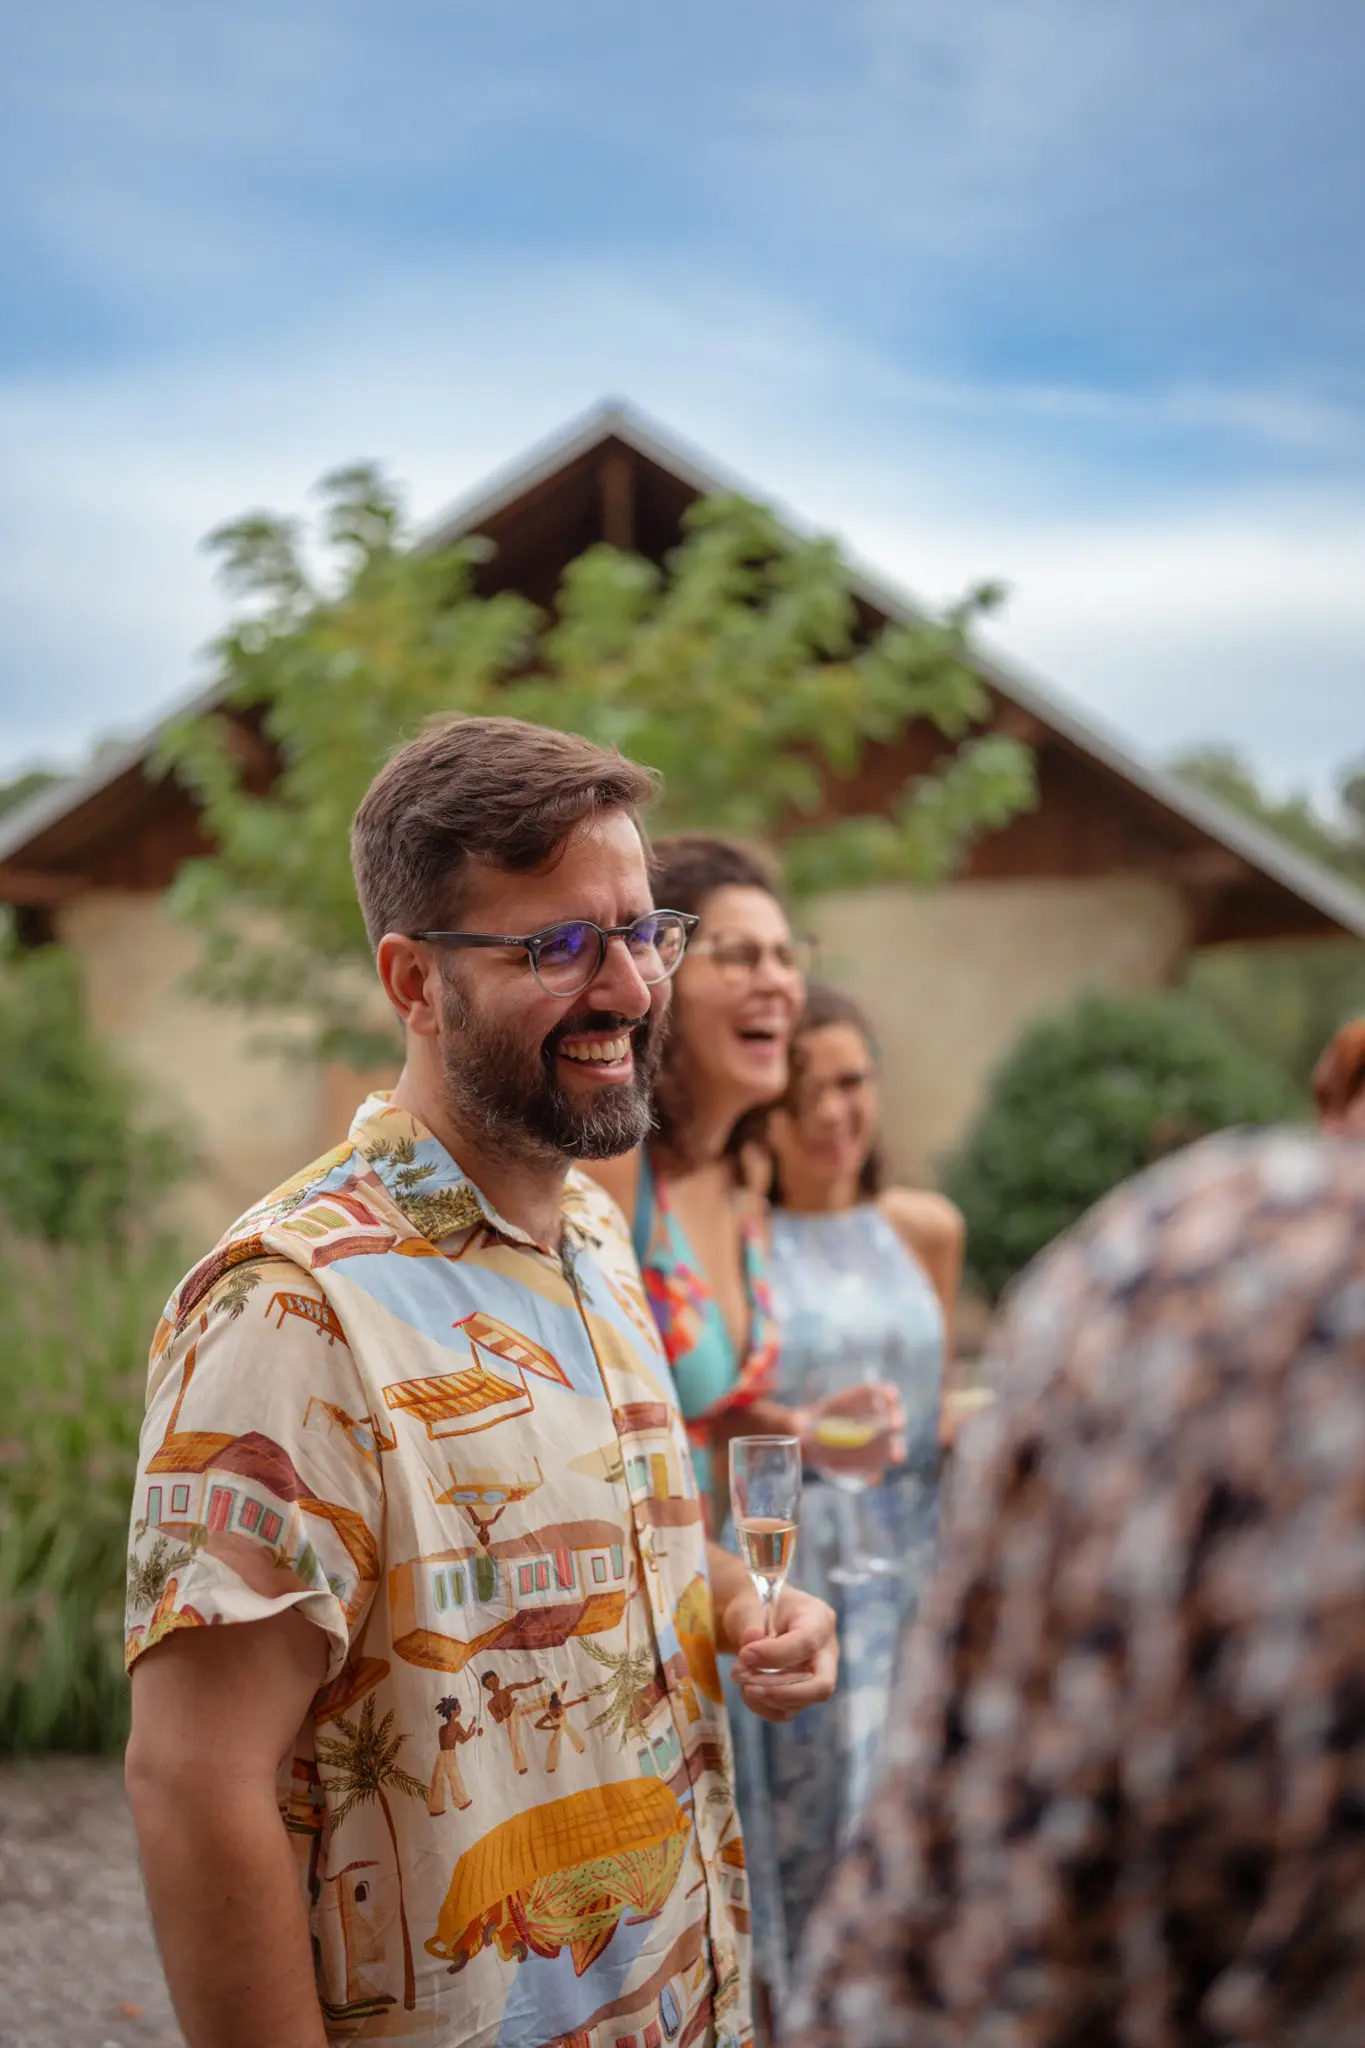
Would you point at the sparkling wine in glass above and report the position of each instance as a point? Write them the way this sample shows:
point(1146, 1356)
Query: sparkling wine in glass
point(765, 1496)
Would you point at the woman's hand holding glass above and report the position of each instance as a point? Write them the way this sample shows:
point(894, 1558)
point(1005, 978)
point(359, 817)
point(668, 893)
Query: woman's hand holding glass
point(856, 1434)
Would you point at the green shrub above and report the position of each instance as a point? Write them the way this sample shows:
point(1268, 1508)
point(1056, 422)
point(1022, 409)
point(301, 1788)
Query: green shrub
point(74, 1335)
point(76, 1161)
point(1085, 1100)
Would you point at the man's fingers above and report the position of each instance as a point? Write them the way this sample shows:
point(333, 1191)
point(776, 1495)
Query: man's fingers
point(777, 1699)
point(785, 1652)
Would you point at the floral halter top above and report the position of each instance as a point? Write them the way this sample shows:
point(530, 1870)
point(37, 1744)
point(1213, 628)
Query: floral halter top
point(710, 1376)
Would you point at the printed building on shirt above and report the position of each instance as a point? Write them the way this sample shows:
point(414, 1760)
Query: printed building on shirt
point(203, 1487)
point(366, 1907)
point(652, 1470)
point(529, 1592)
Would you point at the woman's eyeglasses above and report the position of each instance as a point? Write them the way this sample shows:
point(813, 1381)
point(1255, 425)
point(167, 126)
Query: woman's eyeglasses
point(738, 958)
point(566, 958)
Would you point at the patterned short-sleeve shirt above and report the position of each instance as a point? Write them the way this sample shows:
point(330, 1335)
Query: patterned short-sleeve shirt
point(458, 1454)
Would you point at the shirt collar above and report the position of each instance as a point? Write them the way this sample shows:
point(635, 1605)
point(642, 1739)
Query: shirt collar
point(420, 1176)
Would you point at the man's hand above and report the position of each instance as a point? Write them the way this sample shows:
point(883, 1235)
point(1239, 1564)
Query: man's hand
point(780, 1674)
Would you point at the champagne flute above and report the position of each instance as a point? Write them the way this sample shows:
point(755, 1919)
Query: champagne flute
point(765, 1496)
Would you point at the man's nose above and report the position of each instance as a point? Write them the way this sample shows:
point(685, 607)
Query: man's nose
point(618, 984)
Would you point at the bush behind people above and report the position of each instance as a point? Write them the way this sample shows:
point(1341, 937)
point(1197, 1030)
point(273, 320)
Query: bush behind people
point(1087, 1098)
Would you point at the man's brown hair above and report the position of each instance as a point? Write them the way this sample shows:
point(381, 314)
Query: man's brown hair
point(476, 789)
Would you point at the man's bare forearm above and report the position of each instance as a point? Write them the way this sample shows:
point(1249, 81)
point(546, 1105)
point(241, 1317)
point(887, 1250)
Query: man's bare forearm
point(229, 1915)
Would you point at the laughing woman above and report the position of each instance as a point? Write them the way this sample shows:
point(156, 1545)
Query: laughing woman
point(701, 1233)
point(864, 1279)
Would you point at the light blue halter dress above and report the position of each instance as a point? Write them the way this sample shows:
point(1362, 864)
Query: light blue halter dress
point(845, 1290)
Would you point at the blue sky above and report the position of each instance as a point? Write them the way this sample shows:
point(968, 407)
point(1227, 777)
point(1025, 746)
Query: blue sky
point(1067, 294)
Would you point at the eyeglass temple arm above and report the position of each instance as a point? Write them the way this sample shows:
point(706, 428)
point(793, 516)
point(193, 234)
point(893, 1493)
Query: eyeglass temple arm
point(468, 939)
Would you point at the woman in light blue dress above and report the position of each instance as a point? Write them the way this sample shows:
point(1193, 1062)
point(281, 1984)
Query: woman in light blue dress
point(863, 1280)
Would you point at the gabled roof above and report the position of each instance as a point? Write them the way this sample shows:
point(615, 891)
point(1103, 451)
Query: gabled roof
point(614, 475)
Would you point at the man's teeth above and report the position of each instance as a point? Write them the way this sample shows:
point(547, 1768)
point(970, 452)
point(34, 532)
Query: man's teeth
point(607, 1052)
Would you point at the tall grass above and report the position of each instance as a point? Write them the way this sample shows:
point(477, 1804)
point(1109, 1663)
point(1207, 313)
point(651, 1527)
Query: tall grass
point(75, 1325)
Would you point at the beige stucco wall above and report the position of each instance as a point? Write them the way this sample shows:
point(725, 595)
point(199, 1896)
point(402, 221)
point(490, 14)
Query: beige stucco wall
point(951, 979)
point(254, 1119)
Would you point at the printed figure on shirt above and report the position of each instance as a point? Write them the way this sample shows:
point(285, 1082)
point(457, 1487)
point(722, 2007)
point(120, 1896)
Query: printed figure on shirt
point(446, 1775)
point(505, 1710)
point(555, 1721)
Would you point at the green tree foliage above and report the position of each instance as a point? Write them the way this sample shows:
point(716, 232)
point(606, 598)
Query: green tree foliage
point(737, 671)
point(1337, 843)
point(13, 795)
point(1088, 1098)
point(77, 1161)
point(1285, 1000)
point(18, 791)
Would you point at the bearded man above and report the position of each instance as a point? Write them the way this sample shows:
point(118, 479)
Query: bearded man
point(396, 1339)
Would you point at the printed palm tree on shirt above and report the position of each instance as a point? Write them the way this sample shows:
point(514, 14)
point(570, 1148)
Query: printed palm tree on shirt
point(365, 1762)
point(235, 1292)
point(402, 1154)
point(629, 1672)
point(149, 1577)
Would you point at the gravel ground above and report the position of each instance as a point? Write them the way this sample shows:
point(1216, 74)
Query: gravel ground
point(78, 1966)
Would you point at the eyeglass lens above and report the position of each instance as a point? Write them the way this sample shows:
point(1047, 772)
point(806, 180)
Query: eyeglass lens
point(569, 957)
point(742, 957)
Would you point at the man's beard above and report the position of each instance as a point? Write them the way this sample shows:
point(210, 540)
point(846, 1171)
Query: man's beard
point(509, 1093)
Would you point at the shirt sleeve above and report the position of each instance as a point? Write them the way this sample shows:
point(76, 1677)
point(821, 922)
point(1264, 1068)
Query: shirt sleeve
point(259, 1485)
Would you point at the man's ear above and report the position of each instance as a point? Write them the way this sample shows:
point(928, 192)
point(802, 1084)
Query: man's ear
point(412, 983)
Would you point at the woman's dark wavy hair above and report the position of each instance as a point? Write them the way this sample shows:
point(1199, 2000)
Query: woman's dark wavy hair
point(824, 1006)
point(686, 869)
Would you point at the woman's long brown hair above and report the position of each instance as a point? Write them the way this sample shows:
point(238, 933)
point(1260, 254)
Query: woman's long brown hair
point(686, 869)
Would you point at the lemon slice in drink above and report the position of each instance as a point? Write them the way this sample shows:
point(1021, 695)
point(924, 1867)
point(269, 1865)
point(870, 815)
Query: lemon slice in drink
point(845, 1433)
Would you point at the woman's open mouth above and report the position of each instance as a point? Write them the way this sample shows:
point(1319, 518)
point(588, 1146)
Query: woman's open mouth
point(767, 1043)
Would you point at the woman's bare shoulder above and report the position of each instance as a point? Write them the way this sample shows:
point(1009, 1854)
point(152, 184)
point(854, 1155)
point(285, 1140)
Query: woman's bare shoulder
point(926, 1220)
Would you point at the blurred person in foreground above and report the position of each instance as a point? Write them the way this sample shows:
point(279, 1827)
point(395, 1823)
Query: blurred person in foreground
point(411, 1448)
point(1125, 1805)
point(864, 1283)
point(1339, 1082)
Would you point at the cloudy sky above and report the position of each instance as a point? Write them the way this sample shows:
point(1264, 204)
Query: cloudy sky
point(1068, 294)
